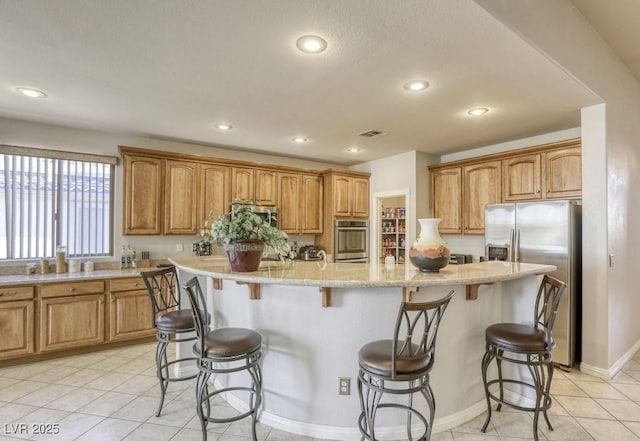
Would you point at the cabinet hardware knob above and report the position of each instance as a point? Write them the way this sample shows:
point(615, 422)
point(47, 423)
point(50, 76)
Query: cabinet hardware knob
point(537, 191)
point(71, 289)
point(136, 284)
point(548, 190)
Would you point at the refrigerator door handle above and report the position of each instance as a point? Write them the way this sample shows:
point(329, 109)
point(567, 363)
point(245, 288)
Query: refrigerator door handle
point(516, 245)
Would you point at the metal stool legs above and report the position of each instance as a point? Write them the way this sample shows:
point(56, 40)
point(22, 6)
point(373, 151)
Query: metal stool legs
point(540, 367)
point(163, 364)
point(249, 363)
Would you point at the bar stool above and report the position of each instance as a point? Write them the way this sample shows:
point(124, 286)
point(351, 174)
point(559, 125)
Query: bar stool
point(528, 345)
point(408, 358)
point(170, 322)
point(224, 351)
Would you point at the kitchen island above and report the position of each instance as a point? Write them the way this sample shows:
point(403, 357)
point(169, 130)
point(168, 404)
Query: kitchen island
point(314, 317)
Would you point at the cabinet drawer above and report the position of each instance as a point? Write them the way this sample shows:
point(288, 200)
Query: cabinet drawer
point(16, 293)
point(72, 288)
point(129, 284)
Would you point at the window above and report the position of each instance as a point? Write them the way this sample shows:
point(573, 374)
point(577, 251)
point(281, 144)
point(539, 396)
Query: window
point(50, 198)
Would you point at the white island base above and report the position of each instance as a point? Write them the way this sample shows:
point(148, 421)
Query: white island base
point(308, 347)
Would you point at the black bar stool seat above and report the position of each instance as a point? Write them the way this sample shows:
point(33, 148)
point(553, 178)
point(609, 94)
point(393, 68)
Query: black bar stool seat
point(229, 342)
point(176, 321)
point(516, 337)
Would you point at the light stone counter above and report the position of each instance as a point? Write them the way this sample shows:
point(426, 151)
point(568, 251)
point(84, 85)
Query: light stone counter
point(23, 279)
point(361, 275)
point(307, 347)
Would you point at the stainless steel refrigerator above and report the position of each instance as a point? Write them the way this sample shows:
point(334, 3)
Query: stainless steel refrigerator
point(546, 232)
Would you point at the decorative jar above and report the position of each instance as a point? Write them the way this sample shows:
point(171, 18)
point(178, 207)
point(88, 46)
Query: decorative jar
point(429, 252)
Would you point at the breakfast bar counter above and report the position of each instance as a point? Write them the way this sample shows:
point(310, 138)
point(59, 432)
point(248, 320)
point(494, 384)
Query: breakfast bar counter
point(308, 345)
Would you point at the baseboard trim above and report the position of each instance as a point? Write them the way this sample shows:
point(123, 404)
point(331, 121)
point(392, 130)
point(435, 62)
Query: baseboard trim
point(608, 374)
point(353, 433)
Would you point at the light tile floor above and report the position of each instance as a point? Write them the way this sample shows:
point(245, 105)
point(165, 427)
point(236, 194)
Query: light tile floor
point(113, 394)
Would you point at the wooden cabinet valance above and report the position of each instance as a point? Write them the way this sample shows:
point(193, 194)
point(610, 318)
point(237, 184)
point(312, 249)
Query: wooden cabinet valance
point(461, 189)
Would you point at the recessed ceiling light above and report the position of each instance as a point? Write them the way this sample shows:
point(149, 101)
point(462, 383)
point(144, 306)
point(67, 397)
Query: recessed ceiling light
point(416, 85)
point(311, 44)
point(299, 139)
point(477, 111)
point(353, 149)
point(31, 93)
point(224, 126)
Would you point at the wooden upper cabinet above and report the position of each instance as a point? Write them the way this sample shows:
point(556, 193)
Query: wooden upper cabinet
point(311, 205)
point(215, 190)
point(242, 183)
point(341, 195)
point(300, 203)
point(265, 187)
point(360, 194)
point(521, 178)
point(481, 186)
point(289, 197)
point(143, 196)
point(181, 214)
point(446, 200)
point(563, 173)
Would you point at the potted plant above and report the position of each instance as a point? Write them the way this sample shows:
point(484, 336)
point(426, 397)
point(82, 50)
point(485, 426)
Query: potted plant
point(246, 237)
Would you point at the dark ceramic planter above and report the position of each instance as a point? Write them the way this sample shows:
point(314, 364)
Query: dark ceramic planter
point(244, 255)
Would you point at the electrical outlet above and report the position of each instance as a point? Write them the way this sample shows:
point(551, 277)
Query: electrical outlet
point(344, 386)
point(180, 247)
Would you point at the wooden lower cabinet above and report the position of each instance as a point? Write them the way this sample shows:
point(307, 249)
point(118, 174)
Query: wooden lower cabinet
point(130, 312)
point(16, 321)
point(71, 321)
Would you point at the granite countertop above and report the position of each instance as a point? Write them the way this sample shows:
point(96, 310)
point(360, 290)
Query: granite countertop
point(23, 279)
point(371, 275)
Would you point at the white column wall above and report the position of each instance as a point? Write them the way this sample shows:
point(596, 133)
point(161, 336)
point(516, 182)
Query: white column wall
point(559, 31)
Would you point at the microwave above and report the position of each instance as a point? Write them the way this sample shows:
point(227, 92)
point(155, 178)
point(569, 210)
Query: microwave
point(268, 213)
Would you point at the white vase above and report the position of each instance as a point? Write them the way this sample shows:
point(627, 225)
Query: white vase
point(429, 252)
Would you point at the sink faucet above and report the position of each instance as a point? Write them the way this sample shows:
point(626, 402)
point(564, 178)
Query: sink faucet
point(323, 255)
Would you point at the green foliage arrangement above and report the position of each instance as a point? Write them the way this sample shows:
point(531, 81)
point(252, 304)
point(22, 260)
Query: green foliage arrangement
point(245, 224)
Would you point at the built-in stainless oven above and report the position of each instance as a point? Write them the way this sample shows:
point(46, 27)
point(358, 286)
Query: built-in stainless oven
point(351, 243)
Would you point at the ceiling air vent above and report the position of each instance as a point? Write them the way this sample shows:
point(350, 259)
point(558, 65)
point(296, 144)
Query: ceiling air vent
point(373, 133)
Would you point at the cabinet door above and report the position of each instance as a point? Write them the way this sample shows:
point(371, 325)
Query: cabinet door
point(481, 186)
point(289, 202)
point(360, 201)
point(215, 194)
point(130, 315)
point(521, 178)
point(16, 328)
point(563, 173)
point(242, 183)
point(446, 199)
point(311, 205)
point(143, 199)
point(341, 195)
point(70, 322)
point(181, 197)
point(266, 187)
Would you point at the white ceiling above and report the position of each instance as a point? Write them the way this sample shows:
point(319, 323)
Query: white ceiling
point(172, 69)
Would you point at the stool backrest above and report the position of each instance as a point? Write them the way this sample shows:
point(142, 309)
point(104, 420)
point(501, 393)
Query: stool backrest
point(547, 301)
point(162, 286)
point(199, 310)
point(416, 330)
